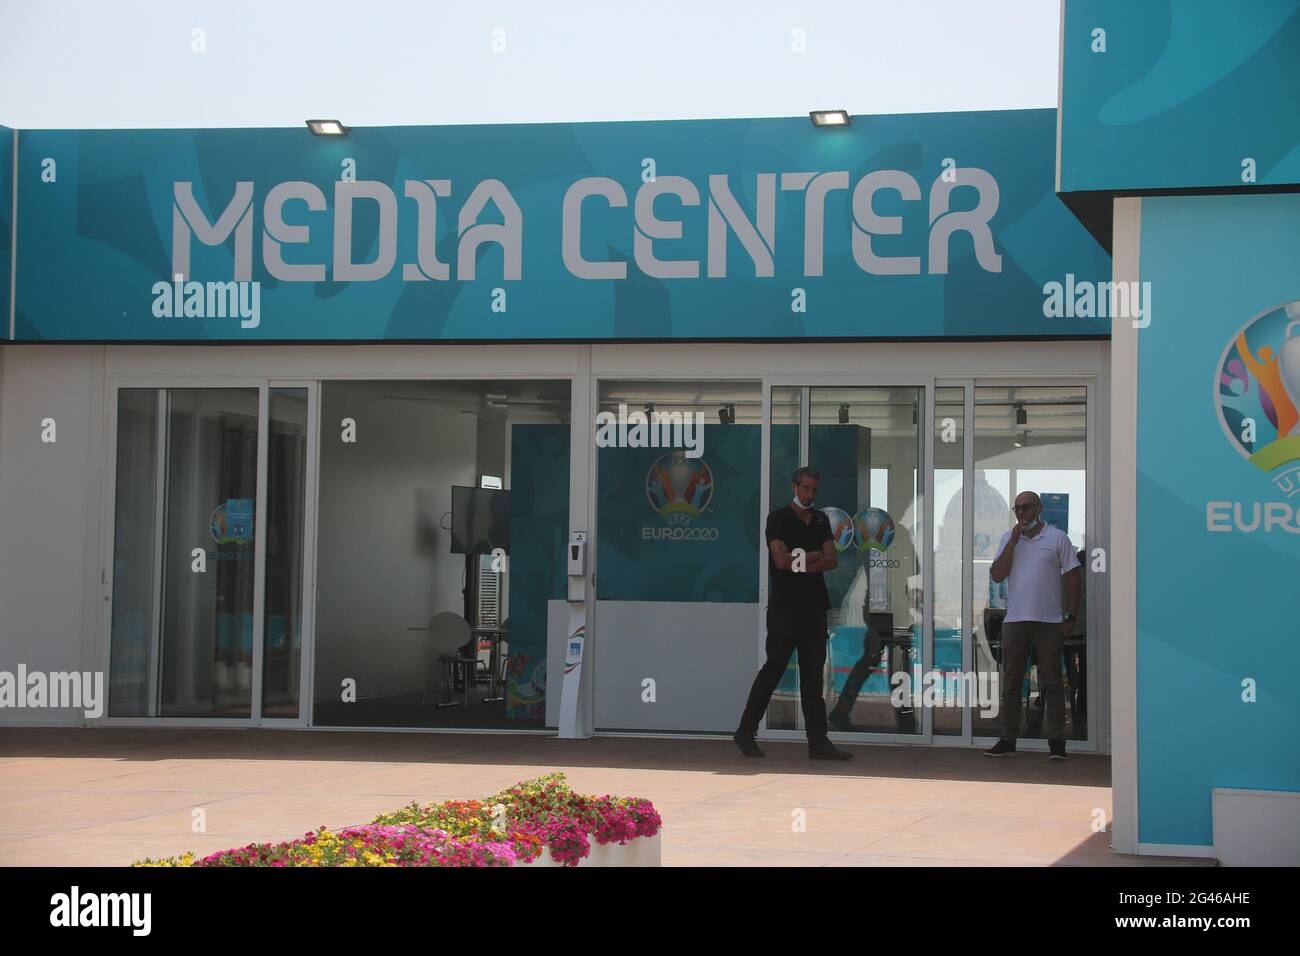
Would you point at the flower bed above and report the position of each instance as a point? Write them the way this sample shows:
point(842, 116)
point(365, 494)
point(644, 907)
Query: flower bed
point(513, 826)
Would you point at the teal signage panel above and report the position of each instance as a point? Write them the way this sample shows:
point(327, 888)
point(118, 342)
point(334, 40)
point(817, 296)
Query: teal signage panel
point(913, 226)
point(1218, 503)
point(1182, 94)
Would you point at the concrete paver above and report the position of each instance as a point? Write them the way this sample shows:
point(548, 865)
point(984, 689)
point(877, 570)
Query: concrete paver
point(107, 796)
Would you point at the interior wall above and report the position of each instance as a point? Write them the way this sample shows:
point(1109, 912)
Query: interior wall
point(384, 560)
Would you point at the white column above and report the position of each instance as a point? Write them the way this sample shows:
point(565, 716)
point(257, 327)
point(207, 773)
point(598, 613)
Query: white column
point(576, 684)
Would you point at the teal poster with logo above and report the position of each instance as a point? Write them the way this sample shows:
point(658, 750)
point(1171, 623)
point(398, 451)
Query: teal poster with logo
point(673, 528)
point(899, 226)
point(1218, 508)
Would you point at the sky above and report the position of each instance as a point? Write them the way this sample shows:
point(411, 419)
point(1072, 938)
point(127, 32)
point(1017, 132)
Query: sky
point(196, 63)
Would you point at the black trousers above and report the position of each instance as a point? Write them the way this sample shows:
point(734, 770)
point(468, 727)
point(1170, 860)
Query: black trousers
point(790, 630)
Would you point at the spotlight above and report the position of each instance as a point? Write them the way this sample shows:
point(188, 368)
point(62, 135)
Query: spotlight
point(1022, 438)
point(1022, 417)
point(844, 414)
point(830, 118)
point(722, 414)
point(321, 127)
point(649, 410)
point(731, 414)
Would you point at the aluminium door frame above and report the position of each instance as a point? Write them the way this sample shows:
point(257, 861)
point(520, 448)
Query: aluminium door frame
point(1091, 531)
point(516, 369)
point(112, 385)
point(967, 385)
point(596, 378)
point(307, 585)
point(925, 482)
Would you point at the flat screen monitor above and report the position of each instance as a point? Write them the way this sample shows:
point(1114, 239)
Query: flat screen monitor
point(480, 520)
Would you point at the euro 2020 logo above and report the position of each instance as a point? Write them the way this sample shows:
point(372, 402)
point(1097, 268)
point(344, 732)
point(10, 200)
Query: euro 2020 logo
point(679, 488)
point(873, 529)
point(1258, 394)
point(842, 527)
point(232, 521)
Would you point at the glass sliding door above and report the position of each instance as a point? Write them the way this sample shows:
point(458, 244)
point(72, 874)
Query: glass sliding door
point(903, 658)
point(1028, 438)
point(442, 520)
point(206, 647)
point(186, 614)
point(866, 443)
point(136, 530)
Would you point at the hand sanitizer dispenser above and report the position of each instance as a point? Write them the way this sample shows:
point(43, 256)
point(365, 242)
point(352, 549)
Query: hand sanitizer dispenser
point(577, 555)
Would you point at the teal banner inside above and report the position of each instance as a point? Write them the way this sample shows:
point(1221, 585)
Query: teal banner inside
point(539, 519)
point(673, 528)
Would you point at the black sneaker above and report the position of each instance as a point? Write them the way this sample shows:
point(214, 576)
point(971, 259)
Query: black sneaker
point(842, 723)
point(1056, 747)
point(828, 751)
point(1002, 748)
point(747, 745)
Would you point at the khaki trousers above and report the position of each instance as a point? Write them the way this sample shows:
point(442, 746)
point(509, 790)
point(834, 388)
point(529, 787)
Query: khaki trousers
point(1048, 640)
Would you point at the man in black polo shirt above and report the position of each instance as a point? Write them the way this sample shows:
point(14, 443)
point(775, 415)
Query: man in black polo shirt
point(796, 616)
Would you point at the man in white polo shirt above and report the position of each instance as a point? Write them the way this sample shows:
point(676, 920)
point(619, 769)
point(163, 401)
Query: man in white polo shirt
point(1033, 559)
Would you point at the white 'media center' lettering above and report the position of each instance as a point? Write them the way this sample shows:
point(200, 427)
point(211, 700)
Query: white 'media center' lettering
point(642, 226)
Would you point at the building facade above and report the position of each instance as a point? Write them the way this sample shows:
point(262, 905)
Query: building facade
point(300, 431)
